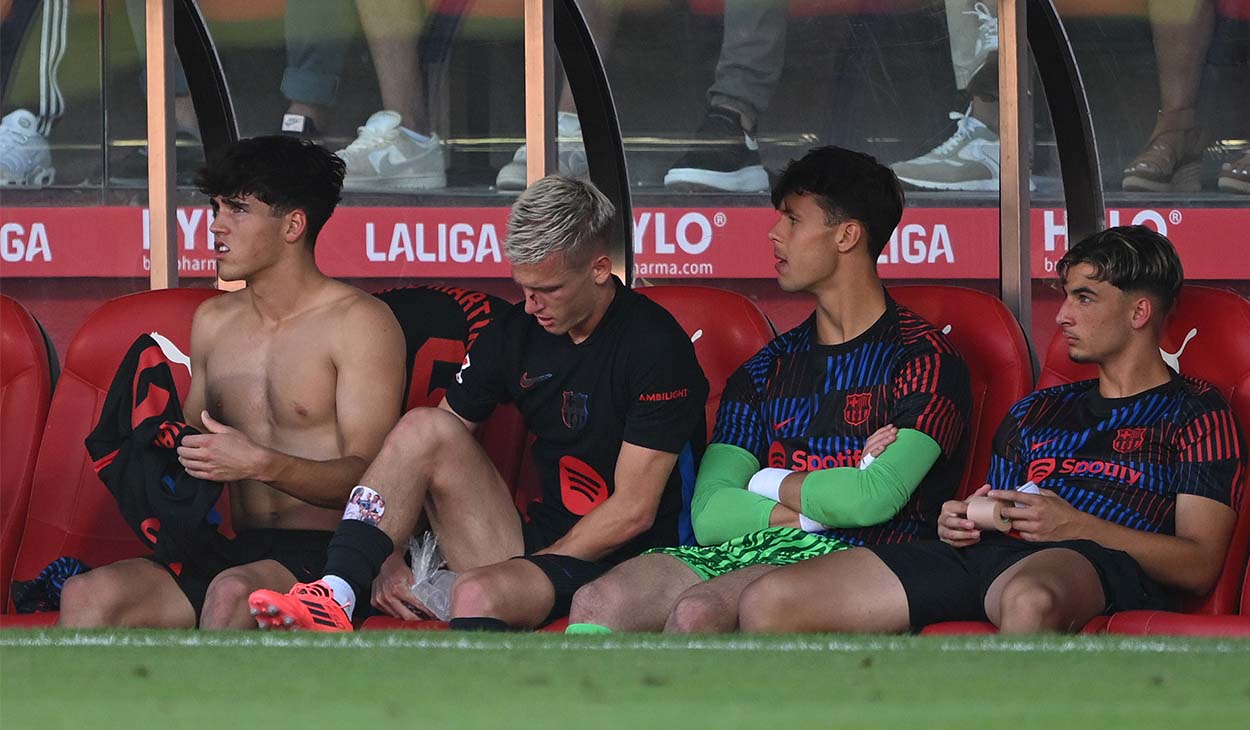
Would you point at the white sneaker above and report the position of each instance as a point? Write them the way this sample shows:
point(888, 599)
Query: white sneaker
point(24, 156)
point(571, 153)
point(987, 32)
point(967, 161)
point(386, 156)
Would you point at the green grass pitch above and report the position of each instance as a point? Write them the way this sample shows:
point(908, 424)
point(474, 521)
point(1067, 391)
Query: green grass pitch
point(155, 679)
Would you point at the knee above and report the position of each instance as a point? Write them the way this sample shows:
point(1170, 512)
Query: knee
point(476, 593)
point(762, 607)
point(424, 431)
point(225, 599)
point(597, 602)
point(700, 613)
point(1027, 605)
point(86, 601)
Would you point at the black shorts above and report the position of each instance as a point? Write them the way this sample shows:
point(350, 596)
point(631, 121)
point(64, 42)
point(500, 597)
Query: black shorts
point(945, 583)
point(303, 552)
point(566, 573)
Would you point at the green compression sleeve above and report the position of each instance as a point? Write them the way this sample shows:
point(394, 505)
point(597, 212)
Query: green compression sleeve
point(722, 508)
point(851, 497)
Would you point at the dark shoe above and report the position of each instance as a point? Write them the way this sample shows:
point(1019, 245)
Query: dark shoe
point(723, 157)
point(298, 125)
point(132, 170)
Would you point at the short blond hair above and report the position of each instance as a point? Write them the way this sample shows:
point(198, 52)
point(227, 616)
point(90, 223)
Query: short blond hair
point(557, 215)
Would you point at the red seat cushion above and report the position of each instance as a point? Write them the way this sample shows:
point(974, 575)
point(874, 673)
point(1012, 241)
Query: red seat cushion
point(1167, 623)
point(1209, 332)
point(25, 393)
point(71, 512)
point(999, 366)
point(1096, 625)
point(1245, 593)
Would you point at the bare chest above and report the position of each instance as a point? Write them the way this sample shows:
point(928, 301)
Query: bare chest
point(260, 379)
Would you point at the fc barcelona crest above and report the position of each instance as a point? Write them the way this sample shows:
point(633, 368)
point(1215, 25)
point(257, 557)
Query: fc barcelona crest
point(575, 410)
point(858, 408)
point(1128, 439)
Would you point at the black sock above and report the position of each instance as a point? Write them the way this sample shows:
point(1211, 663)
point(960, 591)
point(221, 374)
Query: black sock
point(478, 623)
point(356, 554)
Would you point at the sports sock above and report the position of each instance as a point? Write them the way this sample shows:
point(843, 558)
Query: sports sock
point(355, 555)
point(587, 629)
point(343, 593)
point(478, 623)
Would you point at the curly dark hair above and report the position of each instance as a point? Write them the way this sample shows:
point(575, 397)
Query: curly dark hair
point(284, 172)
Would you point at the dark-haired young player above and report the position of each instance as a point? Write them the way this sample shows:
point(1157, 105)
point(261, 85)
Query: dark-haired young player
point(1139, 470)
point(296, 380)
point(780, 482)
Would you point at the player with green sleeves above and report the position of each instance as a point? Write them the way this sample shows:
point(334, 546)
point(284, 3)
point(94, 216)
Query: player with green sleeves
point(791, 473)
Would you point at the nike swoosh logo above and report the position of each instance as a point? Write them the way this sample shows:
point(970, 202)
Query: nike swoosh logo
point(1040, 444)
point(527, 382)
point(784, 423)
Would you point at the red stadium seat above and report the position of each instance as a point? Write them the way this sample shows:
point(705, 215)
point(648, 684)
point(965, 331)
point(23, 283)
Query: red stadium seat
point(965, 628)
point(993, 345)
point(1245, 593)
point(71, 512)
point(1208, 335)
point(26, 373)
point(726, 328)
point(1167, 623)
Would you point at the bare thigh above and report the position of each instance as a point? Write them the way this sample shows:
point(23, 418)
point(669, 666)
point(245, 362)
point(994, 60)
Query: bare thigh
point(850, 590)
point(474, 517)
point(470, 508)
point(430, 461)
point(136, 592)
point(636, 595)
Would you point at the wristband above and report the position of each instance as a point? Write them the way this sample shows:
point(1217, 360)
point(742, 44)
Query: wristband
point(866, 459)
point(807, 524)
point(767, 483)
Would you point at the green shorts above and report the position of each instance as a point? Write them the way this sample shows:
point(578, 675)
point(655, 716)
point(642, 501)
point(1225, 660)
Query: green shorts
point(772, 546)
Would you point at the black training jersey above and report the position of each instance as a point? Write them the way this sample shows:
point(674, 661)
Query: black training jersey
point(1123, 460)
point(440, 324)
point(803, 406)
point(634, 379)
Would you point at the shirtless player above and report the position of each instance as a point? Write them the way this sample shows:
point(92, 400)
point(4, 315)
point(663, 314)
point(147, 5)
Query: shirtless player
point(296, 379)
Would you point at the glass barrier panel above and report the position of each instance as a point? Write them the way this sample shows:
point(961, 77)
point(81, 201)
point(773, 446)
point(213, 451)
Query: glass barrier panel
point(69, 88)
point(1169, 98)
point(717, 96)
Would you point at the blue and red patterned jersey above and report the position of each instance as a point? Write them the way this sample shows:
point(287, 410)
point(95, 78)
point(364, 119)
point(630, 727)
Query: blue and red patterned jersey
point(803, 406)
point(1123, 460)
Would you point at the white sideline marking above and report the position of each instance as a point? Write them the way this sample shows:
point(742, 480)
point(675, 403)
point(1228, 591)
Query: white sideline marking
point(440, 640)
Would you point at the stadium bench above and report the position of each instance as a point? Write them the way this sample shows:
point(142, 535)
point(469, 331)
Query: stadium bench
point(71, 512)
point(1209, 336)
point(999, 366)
point(27, 373)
